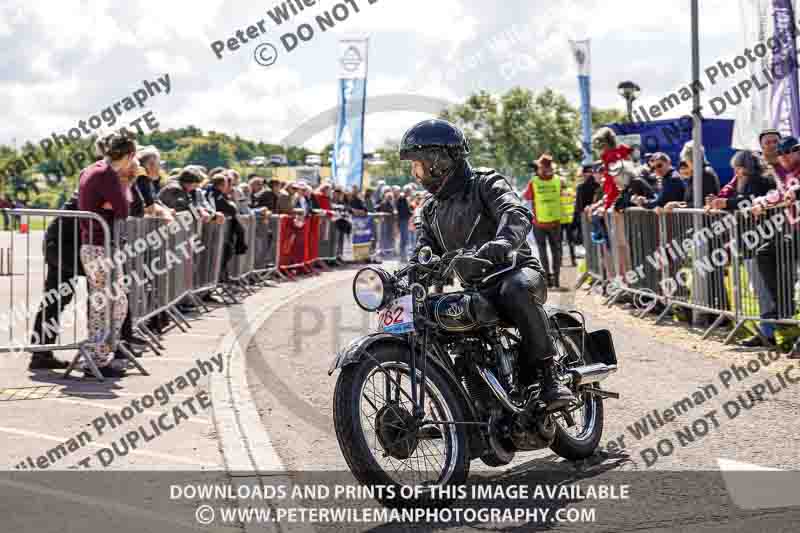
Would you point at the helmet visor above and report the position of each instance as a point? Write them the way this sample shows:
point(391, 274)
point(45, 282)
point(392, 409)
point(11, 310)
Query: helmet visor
point(415, 153)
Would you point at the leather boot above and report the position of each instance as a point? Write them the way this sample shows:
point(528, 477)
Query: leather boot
point(554, 394)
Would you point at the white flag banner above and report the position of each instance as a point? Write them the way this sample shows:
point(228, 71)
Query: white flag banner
point(753, 114)
point(353, 59)
point(581, 51)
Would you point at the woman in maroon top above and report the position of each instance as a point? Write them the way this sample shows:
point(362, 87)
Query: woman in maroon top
point(102, 191)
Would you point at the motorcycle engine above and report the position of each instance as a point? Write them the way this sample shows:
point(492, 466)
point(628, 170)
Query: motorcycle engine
point(533, 433)
point(473, 350)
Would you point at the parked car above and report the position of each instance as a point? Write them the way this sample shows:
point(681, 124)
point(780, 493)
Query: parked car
point(258, 161)
point(278, 160)
point(314, 160)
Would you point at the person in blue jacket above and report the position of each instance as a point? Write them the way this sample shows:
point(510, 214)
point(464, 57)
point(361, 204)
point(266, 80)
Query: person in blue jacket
point(673, 188)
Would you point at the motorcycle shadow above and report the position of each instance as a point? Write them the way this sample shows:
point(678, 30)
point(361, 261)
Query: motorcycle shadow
point(599, 463)
point(514, 492)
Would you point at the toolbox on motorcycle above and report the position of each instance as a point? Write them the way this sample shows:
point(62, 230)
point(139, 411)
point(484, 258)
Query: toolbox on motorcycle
point(601, 347)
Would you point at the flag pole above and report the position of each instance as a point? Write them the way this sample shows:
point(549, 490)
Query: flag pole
point(698, 165)
point(697, 123)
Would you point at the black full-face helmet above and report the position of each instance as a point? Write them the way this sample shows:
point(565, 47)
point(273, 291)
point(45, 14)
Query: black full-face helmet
point(441, 145)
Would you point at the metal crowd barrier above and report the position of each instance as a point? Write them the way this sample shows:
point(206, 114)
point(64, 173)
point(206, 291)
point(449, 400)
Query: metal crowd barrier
point(267, 236)
point(735, 266)
point(327, 238)
point(162, 266)
point(241, 266)
point(208, 262)
point(6, 262)
point(158, 260)
point(769, 247)
point(594, 262)
point(636, 237)
point(35, 288)
point(383, 227)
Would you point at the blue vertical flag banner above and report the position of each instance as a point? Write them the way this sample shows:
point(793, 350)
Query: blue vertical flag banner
point(785, 102)
point(348, 160)
point(581, 50)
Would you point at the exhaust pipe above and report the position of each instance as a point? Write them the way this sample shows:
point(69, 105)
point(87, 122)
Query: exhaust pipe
point(579, 375)
point(591, 373)
point(498, 390)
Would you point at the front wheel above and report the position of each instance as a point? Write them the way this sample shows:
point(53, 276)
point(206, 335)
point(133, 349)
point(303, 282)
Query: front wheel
point(376, 429)
point(578, 431)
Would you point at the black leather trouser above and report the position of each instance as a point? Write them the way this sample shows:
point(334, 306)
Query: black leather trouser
point(519, 299)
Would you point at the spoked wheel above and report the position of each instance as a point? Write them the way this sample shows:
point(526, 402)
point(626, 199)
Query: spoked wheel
point(579, 428)
point(379, 436)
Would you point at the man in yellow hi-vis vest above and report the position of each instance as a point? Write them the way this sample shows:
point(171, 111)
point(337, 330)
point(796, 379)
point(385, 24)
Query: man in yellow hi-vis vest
point(544, 193)
point(567, 212)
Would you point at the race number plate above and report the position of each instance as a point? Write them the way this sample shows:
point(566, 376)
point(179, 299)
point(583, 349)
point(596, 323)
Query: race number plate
point(398, 317)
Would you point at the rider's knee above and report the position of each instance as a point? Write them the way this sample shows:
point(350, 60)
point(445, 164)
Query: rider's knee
point(526, 285)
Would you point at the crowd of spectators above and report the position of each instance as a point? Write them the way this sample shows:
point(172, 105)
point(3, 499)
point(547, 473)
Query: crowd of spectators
point(762, 179)
point(128, 180)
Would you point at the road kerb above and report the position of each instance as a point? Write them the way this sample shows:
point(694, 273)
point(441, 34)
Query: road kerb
point(244, 442)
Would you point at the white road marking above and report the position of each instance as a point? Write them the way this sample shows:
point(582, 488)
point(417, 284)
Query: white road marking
point(752, 486)
point(194, 419)
point(155, 455)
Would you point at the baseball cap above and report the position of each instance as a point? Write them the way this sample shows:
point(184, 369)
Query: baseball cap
point(147, 151)
point(661, 156)
point(787, 145)
point(768, 132)
point(191, 174)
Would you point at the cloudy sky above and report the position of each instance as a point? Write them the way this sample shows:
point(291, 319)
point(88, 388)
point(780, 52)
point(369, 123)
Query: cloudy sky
point(65, 60)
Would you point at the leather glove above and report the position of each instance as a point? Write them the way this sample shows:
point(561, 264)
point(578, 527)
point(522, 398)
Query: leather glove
point(496, 251)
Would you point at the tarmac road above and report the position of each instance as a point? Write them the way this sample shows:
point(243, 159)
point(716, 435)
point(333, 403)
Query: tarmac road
point(682, 491)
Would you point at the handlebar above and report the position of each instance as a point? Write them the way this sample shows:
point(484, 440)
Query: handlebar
point(463, 254)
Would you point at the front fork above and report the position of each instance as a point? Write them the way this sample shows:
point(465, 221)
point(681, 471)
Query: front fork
point(418, 293)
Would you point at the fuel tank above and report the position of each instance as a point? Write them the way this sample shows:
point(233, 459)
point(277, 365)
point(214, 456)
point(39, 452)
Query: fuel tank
point(461, 311)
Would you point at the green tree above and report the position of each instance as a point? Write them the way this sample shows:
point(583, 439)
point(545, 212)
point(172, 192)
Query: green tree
point(326, 158)
point(477, 117)
point(601, 117)
point(510, 131)
point(394, 168)
point(556, 127)
point(209, 153)
point(244, 150)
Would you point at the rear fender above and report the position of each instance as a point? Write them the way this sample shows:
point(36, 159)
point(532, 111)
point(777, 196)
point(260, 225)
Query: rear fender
point(563, 318)
point(598, 345)
point(357, 350)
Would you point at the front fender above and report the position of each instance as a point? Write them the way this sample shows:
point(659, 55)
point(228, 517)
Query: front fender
point(354, 351)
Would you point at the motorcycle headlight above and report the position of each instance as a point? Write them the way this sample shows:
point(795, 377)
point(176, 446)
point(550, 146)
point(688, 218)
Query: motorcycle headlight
point(372, 288)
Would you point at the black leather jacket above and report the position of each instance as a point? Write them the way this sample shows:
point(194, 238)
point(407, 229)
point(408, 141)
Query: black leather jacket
point(472, 208)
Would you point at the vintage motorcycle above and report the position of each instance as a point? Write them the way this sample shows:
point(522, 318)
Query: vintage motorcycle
point(437, 386)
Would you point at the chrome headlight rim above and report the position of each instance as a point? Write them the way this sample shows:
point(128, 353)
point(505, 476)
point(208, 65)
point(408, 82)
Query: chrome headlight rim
point(387, 286)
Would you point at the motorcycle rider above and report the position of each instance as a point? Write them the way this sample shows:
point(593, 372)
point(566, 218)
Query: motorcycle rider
point(479, 208)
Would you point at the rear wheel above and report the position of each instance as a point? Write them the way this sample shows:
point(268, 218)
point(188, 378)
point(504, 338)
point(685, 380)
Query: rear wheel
point(376, 432)
point(579, 429)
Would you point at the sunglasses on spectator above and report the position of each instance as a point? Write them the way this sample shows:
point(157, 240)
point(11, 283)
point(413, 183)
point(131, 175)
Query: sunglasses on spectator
point(659, 166)
point(793, 149)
